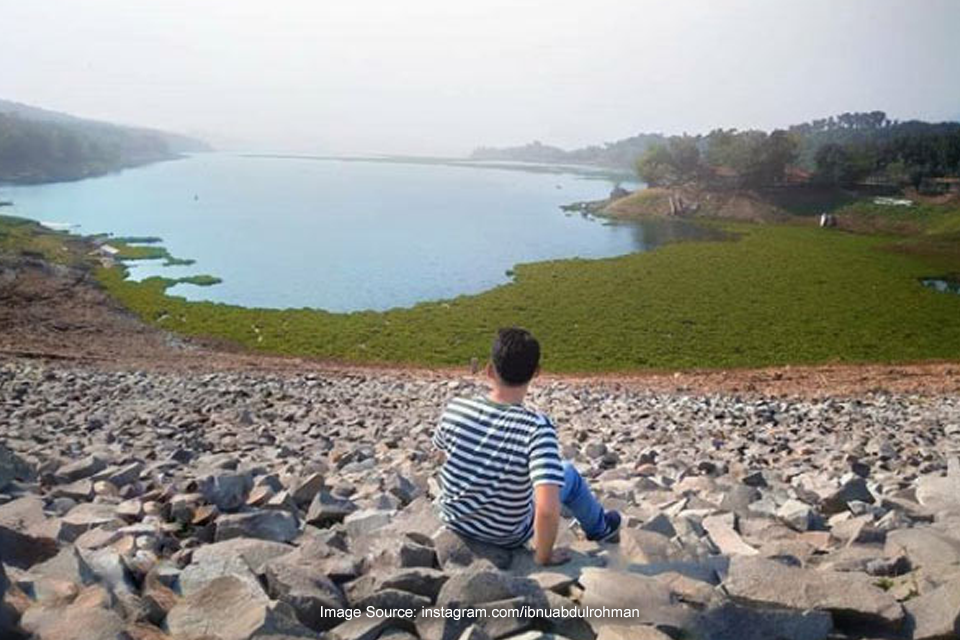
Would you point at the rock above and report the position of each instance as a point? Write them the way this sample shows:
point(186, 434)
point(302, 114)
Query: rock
point(276, 526)
point(735, 622)
point(18, 546)
point(660, 524)
point(722, 531)
point(888, 567)
point(739, 498)
point(88, 617)
point(87, 516)
point(454, 550)
point(646, 547)
point(412, 554)
point(940, 493)
point(421, 581)
point(326, 509)
point(936, 614)
point(476, 586)
point(366, 521)
point(228, 609)
point(928, 550)
point(850, 597)
point(853, 490)
point(228, 491)
point(630, 632)
point(362, 628)
point(621, 590)
point(120, 477)
point(81, 469)
point(307, 488)
point(13, 467)
point(242, 558)
point(307, 593)
point(799, 516)
point(393, 600)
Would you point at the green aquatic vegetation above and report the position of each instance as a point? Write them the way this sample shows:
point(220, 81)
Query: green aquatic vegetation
point(203, 280)
point(778, 294)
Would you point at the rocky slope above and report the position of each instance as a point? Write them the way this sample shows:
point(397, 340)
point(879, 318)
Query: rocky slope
point(225, 505)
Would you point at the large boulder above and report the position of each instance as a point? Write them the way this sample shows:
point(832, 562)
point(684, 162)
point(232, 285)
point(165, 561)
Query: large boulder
point(731, 621)
point(242, 558)
point(849, 596)
point(614, 589)
point(936, 614)
point(90, 616)
point(25, 533)
point(228, 609)
point(307, 592)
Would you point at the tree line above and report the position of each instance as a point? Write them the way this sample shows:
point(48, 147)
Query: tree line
point(33, 150)
point(845, 150)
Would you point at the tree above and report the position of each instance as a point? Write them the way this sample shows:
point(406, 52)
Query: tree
point(674, 163)
point(833, 165)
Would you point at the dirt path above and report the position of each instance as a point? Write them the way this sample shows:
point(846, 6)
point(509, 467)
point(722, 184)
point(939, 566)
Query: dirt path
point(55, 314)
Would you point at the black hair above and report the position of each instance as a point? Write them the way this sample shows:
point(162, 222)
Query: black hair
point(515, 355)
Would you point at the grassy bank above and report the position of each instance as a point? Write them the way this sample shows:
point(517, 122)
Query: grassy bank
point(779, 294)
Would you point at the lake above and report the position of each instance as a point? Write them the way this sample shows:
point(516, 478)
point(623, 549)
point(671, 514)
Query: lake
point(341, 235)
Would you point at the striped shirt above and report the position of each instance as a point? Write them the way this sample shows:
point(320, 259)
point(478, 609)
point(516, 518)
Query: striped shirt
point(495, 455)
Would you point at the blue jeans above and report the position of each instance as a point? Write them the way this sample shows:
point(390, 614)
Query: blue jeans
point(580, 501)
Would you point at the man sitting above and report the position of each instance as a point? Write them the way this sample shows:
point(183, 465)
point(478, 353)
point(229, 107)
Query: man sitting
point(503, 479)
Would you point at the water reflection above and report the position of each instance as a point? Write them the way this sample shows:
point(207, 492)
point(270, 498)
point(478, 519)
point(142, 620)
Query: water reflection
point(942, 285)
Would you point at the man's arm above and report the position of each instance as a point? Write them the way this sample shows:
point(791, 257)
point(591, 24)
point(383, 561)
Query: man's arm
point(546, 522)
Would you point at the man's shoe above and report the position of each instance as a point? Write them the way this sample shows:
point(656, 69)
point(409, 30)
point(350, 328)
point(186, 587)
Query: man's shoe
point(612, 531)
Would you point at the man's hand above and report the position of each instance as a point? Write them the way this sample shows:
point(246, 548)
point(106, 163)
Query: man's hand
point(557, 556)
point(546, 521)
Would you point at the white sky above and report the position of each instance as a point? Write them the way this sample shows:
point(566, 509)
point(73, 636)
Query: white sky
point(442, 76)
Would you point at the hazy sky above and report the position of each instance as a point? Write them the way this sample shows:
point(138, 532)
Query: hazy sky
point(441, 76)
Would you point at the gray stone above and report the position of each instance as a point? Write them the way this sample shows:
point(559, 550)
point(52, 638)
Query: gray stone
point(366, 521)
point(122, 476)
point(81, 469)
point(849, 596)
point(326, 509)
point(228, 609)
point(735, 622)
point(307, 592)
point(276, 526)
point(853, 490)
point(228, 491)
point(936, 614)
point(307, 488)
point(87, 516)
point(243, 558)
point(454, 550)
point(630, 632)
point(799, 516)
point(13, 467)
point(393, 600)
point(412, 554)
point(722, 531)
point(928, 549)
point(621, 590)
point(477, 586)
point(422, 581)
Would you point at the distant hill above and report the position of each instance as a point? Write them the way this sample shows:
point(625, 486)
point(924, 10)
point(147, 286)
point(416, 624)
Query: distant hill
point(870, 139)
point(38, 145)
point(621, 154)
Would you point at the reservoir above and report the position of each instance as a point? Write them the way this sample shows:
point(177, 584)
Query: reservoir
point(341, 235)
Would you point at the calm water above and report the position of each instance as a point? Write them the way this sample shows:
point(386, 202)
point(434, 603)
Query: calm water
point(335, 235)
